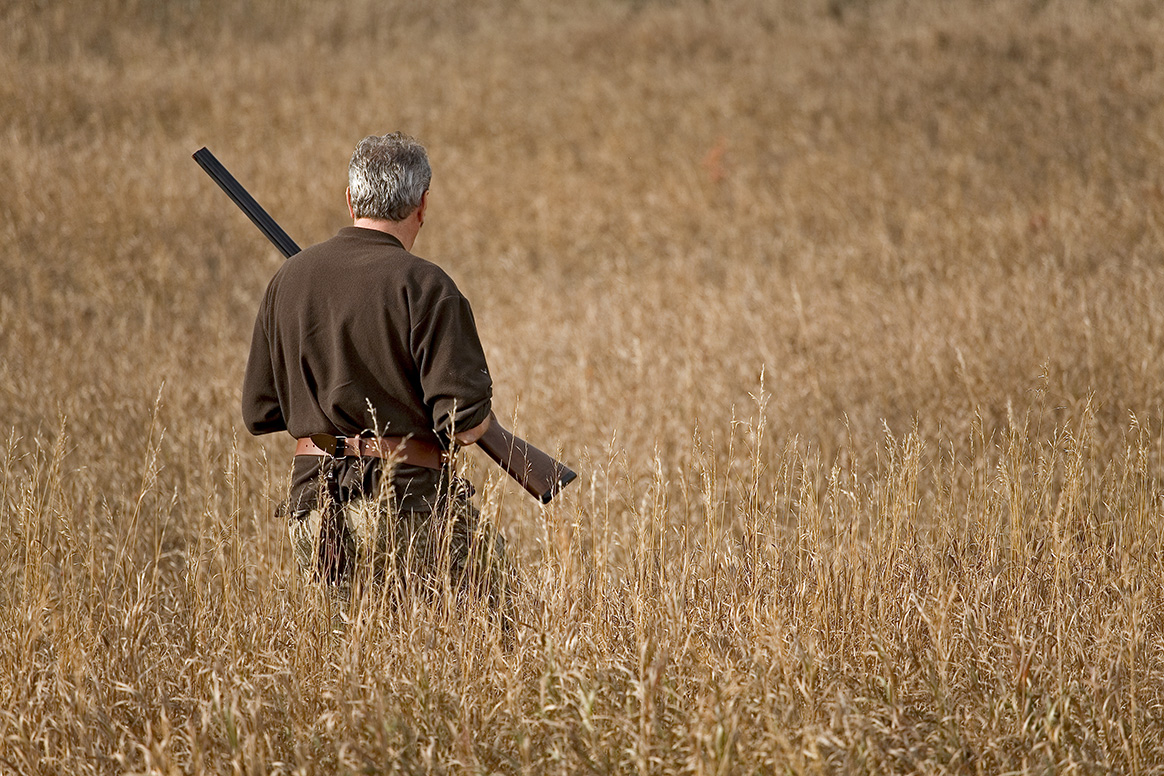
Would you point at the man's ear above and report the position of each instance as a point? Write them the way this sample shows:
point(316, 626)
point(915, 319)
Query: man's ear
point(351, 210)
point(423, 206)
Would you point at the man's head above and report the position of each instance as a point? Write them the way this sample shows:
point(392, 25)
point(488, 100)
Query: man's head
point(387, 177)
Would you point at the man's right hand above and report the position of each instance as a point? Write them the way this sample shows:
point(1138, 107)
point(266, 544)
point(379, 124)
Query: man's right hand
point(466, 438)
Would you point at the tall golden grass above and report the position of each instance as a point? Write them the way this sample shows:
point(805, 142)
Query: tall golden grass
point(850, 314)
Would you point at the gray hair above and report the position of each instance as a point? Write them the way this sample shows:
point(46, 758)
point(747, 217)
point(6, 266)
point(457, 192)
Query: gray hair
point(388, 175)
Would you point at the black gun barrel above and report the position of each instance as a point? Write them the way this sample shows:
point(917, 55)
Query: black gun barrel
point(246, 202)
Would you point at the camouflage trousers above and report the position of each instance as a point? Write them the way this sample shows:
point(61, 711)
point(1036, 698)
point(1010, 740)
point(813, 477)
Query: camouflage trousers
point(365, 541)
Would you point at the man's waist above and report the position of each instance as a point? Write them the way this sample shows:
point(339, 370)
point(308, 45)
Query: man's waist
point(406, 450)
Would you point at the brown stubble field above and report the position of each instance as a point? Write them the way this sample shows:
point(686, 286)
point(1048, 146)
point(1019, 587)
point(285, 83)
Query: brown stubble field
point(848, 313)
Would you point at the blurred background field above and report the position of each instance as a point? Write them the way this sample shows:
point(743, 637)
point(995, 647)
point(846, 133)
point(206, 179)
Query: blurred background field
point(849, 313)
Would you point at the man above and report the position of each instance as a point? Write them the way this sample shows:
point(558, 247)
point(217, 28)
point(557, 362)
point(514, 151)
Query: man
point(362, 341)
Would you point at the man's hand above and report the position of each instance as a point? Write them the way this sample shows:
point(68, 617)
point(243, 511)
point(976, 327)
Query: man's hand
point(466, 438)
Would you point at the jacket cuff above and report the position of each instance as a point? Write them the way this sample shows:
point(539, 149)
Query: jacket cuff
point(463, 419)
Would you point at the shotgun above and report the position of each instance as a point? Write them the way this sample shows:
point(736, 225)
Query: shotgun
point(542, 476)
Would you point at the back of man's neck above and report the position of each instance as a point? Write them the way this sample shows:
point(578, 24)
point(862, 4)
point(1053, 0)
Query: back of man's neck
point(404, 231)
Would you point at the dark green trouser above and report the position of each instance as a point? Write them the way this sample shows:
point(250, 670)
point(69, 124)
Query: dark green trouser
point(366, 540)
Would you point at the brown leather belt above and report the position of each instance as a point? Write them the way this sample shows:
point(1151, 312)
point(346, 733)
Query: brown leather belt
point(415, 452)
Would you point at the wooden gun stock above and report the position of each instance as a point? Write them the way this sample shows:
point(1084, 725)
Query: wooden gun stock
point(541, 475)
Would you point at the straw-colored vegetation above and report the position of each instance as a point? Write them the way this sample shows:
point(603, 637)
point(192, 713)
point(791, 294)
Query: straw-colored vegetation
point(849, 313)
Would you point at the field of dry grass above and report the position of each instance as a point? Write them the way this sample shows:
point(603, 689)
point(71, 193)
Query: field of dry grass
point(849, 312)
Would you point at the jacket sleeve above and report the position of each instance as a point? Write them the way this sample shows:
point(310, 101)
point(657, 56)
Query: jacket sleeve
point(454, 377)
point(261, 410)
